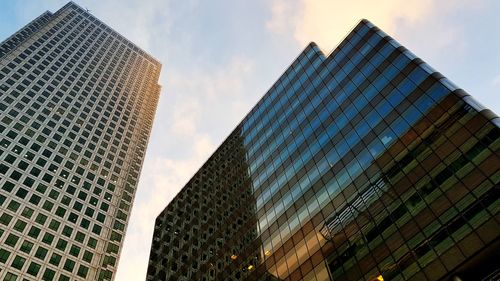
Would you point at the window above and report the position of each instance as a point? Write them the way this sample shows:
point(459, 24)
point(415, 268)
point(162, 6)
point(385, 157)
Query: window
point(85, 223)
point(35, 199)
point(49, 274)
point(61, 244)
point(97, 229)
point(5, 219)
point(112, 248)
point(41, 253)
point(4, 255)
point(55, 259)
point(89, 212)
point(11, 240)
point(74, 251)
point(72, 217)
point(54, 194)
point(34, 232)
point(18, 262)
point(92, 243)
point(87, 256)
point(10, 277)
point(54, 225)
point(26, 247)
point(41, 219)
point(8, 186)
point(48, 238)
point(21, 193)
point(69, 265)
point(41, 188)
point(79, 237)
point(82, 271)
point(78, 206)
point(47, 205)
point(67, 231)
point(60, 211)
point(27, 212)
point(33, 269)
point(20, 225)
point(13, 206)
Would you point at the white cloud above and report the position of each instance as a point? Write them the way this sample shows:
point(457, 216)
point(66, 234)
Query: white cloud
point(327, 22)
point(186, 116)
point(496, 80)
point(209, 99)
point(282, 16)
point(138, 21)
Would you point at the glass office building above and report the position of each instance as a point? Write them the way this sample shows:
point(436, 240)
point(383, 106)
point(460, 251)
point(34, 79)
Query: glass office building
point(77, 101)
point(366, 164)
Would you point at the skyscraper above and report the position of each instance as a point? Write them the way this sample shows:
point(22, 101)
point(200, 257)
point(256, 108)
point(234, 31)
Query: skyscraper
point(366, 164)
point(77, 101)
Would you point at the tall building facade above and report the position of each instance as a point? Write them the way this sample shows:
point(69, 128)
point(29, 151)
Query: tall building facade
point(366, 164)
point(77, 102)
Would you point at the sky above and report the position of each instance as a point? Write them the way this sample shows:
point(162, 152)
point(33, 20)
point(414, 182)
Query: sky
point(219, 58)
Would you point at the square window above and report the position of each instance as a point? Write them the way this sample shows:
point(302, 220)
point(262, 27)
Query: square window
point(89, 212)
point(8, 186)
point(35, 171)
point(49, 274)
point(26, 247)
point(35, 199)
point(27, 212)
point(54, 194)
point(92, 243)
point(87, 256)
point(61, 244)
point(101, 217)
point(74, 251)
point(11, 240)
point(13, 206)
point(67, 231)
point(5, 219)
point(54, 225)
point(34, 232)
point(41, 253)
point(80, 237)
point(82, 271)
point(20, 225)
point(73, 217)
point(10, 277)
point(33, 269)
point(85, 223)
point(4, 255)
point(41, 188)
point(22, 165)
point(97, 229)
point(66, 200)
point(21, 193)
point(18, 262)
point(77, 206)
point(48, 238)
point(41, 219)
point(69, 265)
point(47, 205)
point(60, 211)
point(55, 259)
